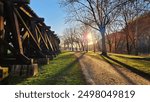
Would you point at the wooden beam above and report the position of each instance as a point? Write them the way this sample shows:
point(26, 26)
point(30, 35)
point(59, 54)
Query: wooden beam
point(41, 34)
point(49, 42)
point(14, 26)
point(18, 33)
point(25, 35)
point(26, 12)
point(37, 20)
point(1, 19)
point(18, 55)
point(34, 40)
point(33, 30)
point(21, 1)
point(52, 42)
point(1, 28)
point(47, 27)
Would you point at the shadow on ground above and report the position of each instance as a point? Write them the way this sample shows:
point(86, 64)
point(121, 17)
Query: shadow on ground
point(144, 59)
point(134, 70)
point(57, 78)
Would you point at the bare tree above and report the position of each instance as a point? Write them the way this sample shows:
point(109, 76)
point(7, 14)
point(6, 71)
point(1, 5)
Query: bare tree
point(72, 39)
point(130, 12)
point(94, 13)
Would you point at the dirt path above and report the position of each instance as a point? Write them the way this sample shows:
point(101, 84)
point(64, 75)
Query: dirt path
point(102, 73)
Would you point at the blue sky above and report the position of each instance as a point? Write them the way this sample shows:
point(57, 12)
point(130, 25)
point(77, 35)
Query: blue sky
point(52, 12)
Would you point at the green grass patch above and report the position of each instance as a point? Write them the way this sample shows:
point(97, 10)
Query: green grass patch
point(63, 70)
point(141, 63)
point(137, 62)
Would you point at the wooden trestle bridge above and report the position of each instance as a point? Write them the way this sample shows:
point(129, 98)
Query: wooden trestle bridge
point(25, 40)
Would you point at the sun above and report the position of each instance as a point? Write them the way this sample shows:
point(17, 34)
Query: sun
point(90, 38)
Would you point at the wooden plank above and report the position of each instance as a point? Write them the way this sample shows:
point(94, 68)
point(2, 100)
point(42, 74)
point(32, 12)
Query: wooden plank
point(1, 20)
point(18, 55)
point(34, 40)
point(21, 1)
point(47, 27)
point(33, 30)
point(1, 28)
point(26, 12)
point(13, 26)
point(37, 20)
point(3, 73)
point(49, 42)
point(25, 35)
point(41, 34)
point(18, 34)
point(39, 39)
point(52, 43)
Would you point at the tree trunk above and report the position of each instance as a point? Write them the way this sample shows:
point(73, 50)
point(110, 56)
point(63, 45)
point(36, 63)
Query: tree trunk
point(127, 44)
point(68, 48)
point(79, 46)
point(94, 47)
point(104, 51)
point(136, 38)
point(110, 48)
point(72, 47)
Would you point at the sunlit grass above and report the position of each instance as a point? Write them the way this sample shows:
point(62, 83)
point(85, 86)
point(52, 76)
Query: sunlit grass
point(141, 63)
point(134, 61)
point(128, 56)
point(63, 70)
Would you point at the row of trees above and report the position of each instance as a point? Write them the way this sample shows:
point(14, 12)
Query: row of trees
point(135, 40)
point(78, 39)
point(107, 16)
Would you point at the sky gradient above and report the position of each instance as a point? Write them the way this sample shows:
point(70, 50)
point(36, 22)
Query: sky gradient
point(52, 12)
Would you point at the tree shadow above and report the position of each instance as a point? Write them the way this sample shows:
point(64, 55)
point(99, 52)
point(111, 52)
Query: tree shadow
point(54, 80)
point(145, 59)
point(132, 69)
point(118, 71)
point(49, 80)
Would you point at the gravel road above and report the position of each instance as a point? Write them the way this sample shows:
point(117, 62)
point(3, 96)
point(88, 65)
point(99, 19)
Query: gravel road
point(102, 73)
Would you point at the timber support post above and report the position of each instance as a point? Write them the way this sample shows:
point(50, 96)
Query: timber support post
point(25, 40)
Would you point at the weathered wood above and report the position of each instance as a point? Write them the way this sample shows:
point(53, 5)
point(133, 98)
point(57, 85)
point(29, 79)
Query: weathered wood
point(3, 73)
point(1, 27)
point(14, 26)
point(24, 70)
point(42, 61)
point(17, 29)
point(47, 27)
point(27, 28)
point(51, 37)
point(1, 19)
point(21, 1)
point(37, 20)
point(41, 33)
point(34, 32)
point(26, 37)
point(22, 57)
point(49, 42)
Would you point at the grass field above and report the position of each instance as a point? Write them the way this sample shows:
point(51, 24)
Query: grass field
point(63, 70)
point(139, 63)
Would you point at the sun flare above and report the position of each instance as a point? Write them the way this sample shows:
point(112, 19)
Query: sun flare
point(90, 38)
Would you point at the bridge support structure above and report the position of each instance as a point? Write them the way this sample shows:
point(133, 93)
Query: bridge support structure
point(25, 40)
